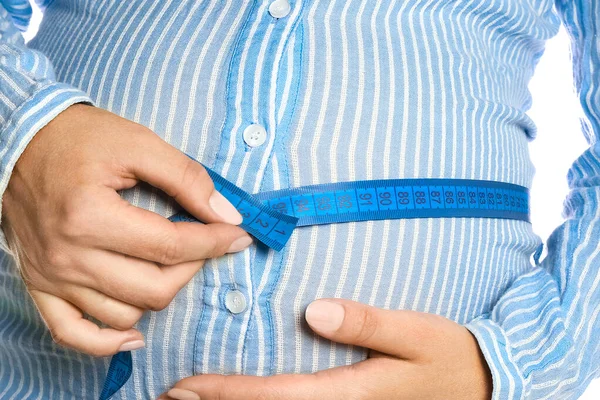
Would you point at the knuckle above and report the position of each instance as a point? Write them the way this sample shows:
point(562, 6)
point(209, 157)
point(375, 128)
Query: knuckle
point(212, 244)
point(189, 175)
point(427, 328)
point(156, 305)
point(171, 251)
point(319, 379)
point(364, 326)
point(264, 393)
point(222, 387)
point(59, 336)
point(161, 298)
point(57, 257)
point(76, 212)
point(102, 302)
point(356, 392)
point(192, 174)
point(267, 392)
point(60, 266)
point(140, 133)
point(128, 319)
point(324, 379)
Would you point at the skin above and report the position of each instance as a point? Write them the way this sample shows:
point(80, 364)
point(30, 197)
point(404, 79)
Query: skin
point(81, 248)
point(412, 356)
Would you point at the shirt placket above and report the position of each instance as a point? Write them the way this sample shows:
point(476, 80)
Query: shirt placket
point(247, 143)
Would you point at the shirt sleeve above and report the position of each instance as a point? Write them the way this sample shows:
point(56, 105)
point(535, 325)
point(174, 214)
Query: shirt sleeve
point(542, 339)
point(30, 97)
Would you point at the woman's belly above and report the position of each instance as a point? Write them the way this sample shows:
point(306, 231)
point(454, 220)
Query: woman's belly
point(334, 110)
point(453, 267)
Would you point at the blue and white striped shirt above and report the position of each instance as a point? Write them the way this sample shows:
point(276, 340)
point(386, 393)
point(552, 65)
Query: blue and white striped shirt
point(347, 90)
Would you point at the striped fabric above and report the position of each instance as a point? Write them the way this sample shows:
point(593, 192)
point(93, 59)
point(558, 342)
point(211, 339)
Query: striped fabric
point(347, 90)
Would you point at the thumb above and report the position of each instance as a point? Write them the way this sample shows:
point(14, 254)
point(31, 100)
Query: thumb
point(404, 334)
point(158, 163)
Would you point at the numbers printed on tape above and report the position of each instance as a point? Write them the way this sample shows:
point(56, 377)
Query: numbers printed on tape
point(272, 216)
point(399, 198)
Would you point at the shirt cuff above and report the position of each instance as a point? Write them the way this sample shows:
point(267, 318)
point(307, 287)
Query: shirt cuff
point(508, 381)
point(25, 121)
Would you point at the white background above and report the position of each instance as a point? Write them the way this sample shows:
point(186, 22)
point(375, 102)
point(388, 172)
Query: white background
point(559, 142)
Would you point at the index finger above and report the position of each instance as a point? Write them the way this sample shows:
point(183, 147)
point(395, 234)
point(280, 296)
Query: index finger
point(158, 163)
point(402, 333)
point(370, 377)
point(133, 231)
point(238, 387)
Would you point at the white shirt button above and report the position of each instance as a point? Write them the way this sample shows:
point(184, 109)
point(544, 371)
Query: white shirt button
point(255, 135)
point(235, 301)
point(279, 8)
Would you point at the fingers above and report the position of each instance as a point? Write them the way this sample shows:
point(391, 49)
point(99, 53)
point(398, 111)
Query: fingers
point(330, 384)
point(384, 378)
point(162, 165)
point(108, 310)
point(137, 282)
point(144, 234)
point(404, 334)
point(68, 328)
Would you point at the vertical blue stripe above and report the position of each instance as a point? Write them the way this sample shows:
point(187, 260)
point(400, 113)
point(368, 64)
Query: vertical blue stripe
point(346, 90)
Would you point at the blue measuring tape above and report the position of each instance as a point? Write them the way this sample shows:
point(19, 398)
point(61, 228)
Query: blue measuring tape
point(271, 217)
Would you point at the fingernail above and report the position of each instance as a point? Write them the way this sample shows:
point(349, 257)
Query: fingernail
point(240, 244)
point(324, 316)
point(224, 208)
point(133, 345)
point(182, 394)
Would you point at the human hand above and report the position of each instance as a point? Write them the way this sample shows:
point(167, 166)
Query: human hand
point(413, 356)
point(81, 248)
